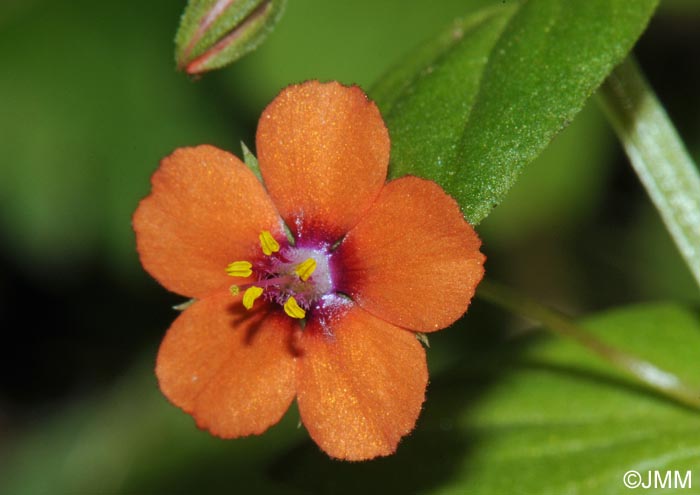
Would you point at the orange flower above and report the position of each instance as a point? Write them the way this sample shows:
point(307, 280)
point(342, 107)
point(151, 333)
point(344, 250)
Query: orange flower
point(327, 316)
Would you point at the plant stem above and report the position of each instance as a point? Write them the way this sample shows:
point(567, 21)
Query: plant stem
point(646, 373)
point(657, 155)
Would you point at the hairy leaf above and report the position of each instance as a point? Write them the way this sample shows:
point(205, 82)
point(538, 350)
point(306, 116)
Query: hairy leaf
point(475, 105)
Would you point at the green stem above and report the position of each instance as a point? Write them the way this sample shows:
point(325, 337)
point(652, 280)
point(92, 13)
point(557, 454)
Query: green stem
point(657, 155)
point(646, 373)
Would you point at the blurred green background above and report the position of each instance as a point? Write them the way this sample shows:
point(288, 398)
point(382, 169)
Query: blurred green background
point(90, 103)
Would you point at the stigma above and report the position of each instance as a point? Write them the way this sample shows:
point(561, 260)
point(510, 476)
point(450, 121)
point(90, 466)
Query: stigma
point(295, 277)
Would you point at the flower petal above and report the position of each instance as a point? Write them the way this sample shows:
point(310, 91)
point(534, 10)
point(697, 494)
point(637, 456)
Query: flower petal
point(413, 260)
point(231, 369)
point(206, 209)
point(360, 384)
point(323, 151)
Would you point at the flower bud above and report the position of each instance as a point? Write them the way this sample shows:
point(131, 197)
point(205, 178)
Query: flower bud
point(214, 33)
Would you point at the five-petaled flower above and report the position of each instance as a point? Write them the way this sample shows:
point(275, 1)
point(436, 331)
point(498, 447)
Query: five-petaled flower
point(327, 315)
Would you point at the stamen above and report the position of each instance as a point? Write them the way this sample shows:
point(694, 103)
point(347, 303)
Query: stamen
point(240, 269)
point(292, 308)
point(268, 243)
point(305, 269)
point(250, 295)
point(235, 290)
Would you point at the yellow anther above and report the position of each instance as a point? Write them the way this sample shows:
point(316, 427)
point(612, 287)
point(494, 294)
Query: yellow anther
point(234, 290)
point(292, 308)
point(250, 295)
point(305, 269)
point(268, 243)
point(240, 269)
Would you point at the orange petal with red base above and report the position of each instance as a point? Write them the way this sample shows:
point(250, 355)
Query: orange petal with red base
point(231, 369)
point(323, 151)
point(360, 384)
point(422, 272)
point(206, 209)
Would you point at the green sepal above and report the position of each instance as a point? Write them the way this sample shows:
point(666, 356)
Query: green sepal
point(183, 306)
point(251, 162)
point(215, 33)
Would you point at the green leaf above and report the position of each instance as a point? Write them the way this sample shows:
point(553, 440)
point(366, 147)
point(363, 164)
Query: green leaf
point(658, 155)
point(534, 415)
point(215, 33)
point(470, 109)
point(550, 197)
point(553, 419)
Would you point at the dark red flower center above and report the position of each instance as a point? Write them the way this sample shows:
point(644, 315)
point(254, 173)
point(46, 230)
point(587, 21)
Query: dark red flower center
point(297, 277)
